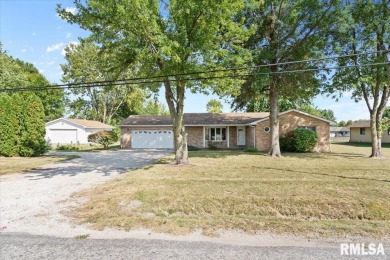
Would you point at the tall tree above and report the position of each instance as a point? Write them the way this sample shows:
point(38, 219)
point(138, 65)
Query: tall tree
point(15, 73)
point(152, 106)
point(286, 31)
point(214, 106)
point(87, 63)
point(386, 113)
point(32, 135)
point(366, 30)
point(164, 38)
point(8, 127)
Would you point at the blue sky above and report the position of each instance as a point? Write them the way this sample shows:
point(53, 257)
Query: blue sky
point(32, 31)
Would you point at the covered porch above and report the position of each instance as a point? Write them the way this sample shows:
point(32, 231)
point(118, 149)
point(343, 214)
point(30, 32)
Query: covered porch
point(221, 136)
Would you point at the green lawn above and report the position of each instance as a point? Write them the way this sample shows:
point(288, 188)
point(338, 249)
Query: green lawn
point(332, 195)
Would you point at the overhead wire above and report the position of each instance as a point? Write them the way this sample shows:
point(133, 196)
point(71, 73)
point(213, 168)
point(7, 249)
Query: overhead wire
point(152, 79)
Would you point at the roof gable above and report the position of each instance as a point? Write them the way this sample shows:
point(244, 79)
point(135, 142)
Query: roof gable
point(81, 122)
point(296, 111)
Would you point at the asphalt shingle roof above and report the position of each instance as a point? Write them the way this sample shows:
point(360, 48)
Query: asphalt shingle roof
point(365, 123)
point(89, 123)
point(197, 119)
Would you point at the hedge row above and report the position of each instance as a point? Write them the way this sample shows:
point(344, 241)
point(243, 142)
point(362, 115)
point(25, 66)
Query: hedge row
point(22, 125)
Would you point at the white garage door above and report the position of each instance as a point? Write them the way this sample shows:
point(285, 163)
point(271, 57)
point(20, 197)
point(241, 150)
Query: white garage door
point(152, 139)
point(63, 136)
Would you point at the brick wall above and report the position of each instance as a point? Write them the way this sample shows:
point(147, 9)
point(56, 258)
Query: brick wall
point(233, 136)
point(126, 133)
point(290, 121)
point(195, 136)
point(249, 142)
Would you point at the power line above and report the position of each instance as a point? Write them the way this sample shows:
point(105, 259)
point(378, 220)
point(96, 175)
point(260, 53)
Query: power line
point(108, 82)
point(132, 82)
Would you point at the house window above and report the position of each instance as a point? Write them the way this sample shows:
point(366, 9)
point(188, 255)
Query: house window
point(388, 131)
point(312, 128)
point(362, 131)
point(266, 129)
point(215, 134)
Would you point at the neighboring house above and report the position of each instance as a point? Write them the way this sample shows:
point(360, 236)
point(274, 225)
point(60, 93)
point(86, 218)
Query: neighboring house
point(339, 131)
point(361, 132)
point(224, 130)
point(72, 131)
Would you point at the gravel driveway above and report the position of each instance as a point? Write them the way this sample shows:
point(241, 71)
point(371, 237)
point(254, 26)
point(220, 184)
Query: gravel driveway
point(32, 202)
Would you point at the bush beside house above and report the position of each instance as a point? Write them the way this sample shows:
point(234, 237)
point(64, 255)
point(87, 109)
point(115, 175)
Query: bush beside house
point(299, 140)
point(104, 138)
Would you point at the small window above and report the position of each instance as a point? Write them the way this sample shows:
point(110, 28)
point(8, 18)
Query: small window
point(267, 129)
point(312, 128)
point(388, 131)
point(362, 131)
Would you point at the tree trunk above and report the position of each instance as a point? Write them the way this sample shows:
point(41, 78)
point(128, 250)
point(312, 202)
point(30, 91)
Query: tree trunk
point(274, 120)
point(176, 109)
point(376, 151)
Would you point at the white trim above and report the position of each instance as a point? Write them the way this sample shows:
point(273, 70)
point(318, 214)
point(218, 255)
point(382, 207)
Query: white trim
point(228, 136)
point(213, 125)
point(219, 125)
point(146, 125)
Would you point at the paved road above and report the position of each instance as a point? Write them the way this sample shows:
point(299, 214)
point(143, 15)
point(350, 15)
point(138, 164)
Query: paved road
point(23, 246)
point(34, 201)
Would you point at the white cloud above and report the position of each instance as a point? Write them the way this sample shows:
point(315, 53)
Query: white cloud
point(68, 34)
point(33, 34)
point(72, 10)
point(55, 47)
point(23, 50)
point(41, 71)
point(71, 44)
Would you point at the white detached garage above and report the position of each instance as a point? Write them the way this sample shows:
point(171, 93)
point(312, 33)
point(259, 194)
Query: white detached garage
point(72, 131)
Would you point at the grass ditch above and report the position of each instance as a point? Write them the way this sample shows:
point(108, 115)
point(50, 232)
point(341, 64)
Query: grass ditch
point(338, 194)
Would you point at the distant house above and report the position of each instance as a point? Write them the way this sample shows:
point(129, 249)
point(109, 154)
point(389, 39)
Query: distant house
point(361, 132)
point(339, 131)
point(222, 130)
point(72, 131)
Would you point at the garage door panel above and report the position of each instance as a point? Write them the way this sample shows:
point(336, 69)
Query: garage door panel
point(152, 139)
point(63, 136)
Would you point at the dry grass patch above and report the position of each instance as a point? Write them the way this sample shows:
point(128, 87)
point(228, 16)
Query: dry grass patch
point(336, 194)
point(20, 164)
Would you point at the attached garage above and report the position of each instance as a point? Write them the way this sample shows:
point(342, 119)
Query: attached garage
point(161, 139)
point(72, 131)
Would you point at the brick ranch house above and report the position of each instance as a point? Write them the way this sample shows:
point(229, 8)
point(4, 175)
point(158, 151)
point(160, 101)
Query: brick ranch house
point(223, 130)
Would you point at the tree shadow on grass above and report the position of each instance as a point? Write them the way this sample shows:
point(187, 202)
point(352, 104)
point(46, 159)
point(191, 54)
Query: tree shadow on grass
point(324, 174)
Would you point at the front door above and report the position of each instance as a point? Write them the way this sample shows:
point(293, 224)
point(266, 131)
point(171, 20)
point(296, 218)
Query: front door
point(241, 135)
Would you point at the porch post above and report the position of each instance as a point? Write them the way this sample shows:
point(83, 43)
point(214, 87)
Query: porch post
point(228, 137)
point(204, 137)
point(254, 136)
